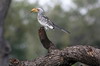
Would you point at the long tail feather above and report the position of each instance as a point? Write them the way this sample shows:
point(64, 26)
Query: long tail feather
point(57, 27)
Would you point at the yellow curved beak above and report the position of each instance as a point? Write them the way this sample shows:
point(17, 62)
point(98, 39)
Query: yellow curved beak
point(34, 10)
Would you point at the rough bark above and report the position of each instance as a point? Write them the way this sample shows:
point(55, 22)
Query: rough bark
point(4, 47)
point(65, 57)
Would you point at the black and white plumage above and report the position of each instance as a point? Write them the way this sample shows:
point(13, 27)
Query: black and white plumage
point(45, 21)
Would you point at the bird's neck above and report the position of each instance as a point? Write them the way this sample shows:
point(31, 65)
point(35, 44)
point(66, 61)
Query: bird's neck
point(40, 13)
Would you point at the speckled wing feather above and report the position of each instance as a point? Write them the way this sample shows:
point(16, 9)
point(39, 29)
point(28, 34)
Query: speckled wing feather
point(50, 23)
point(55, 26)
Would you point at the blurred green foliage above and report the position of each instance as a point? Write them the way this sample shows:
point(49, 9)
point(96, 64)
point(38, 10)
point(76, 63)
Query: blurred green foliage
point(21, 27)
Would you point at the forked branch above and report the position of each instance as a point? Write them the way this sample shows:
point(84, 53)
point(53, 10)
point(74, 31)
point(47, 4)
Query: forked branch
point(66, 57)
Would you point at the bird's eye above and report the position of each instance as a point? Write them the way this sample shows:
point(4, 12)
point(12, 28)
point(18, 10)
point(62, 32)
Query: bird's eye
point(38, 9)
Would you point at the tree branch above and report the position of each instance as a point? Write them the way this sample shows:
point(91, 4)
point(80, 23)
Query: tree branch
point(44, 40)
point(66, 57)
point(4, 46)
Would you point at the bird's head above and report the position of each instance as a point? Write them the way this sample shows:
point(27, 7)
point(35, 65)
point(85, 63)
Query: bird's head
point(37, 10)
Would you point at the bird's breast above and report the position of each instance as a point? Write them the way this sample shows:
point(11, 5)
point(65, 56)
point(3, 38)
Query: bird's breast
point(42, 22)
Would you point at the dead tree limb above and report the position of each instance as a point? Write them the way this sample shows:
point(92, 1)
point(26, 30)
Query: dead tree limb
point(66, 57)
point(4, 47)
